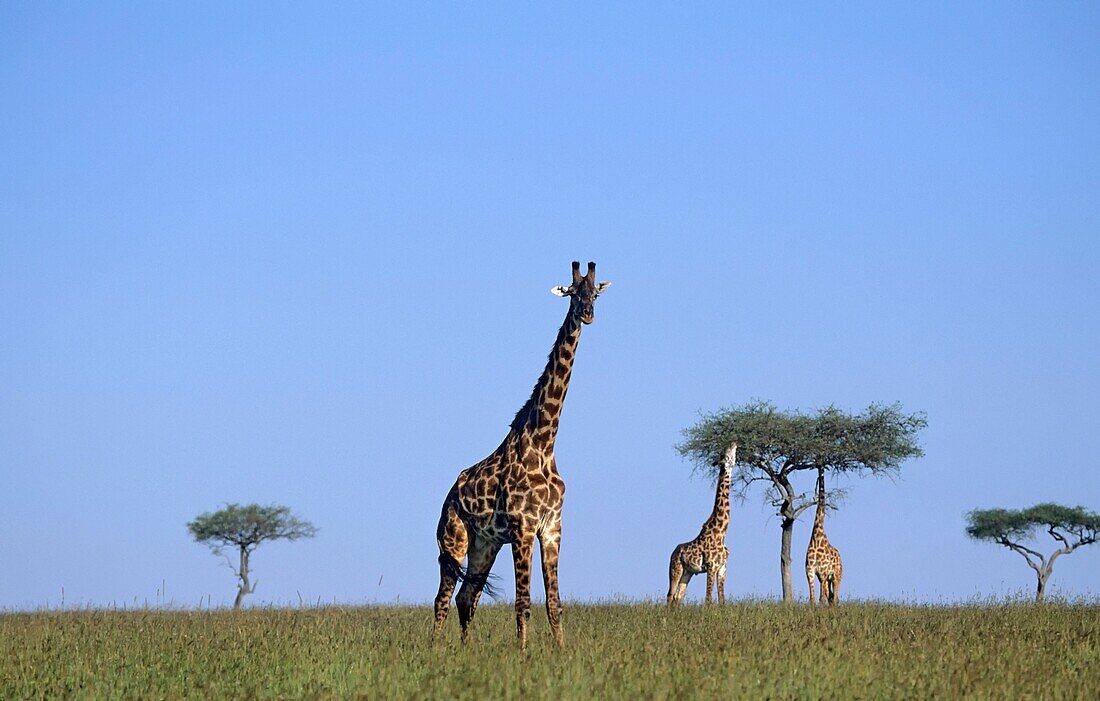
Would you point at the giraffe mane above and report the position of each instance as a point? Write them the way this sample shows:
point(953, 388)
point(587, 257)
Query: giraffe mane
point(523, 417)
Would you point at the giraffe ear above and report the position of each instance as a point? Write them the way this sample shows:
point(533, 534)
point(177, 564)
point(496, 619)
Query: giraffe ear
point(601, 286)
point(560, 291)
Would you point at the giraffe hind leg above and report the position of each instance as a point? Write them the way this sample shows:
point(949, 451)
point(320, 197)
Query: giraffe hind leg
point(834, 590)
point(682, 585)
point(452, 539)
point(449, 569)
point(675, 572)
point(474, 580)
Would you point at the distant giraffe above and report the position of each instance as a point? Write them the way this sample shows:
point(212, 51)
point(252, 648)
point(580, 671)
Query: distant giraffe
point(515, 495)
point(707, 552)
point(822, 559)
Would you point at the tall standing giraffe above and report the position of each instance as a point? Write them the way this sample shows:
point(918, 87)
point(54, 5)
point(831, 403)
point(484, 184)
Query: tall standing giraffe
point(822, 559)
point(707, 552)
point(515, 495)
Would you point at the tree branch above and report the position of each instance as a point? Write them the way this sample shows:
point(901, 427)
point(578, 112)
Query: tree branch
point(797, 511)
point(1058, 536)
point(229, 563)
point(1085, 536)
point(744, 483)
point(773, 477)
point(1027, 553)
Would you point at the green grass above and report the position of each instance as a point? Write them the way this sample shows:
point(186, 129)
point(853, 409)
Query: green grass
point(743, 650)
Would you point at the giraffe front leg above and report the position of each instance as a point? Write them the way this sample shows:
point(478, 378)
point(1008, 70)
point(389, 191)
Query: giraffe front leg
point(549, 547)
point(480, 562)
point(522, 549)
point(722, 584)
point(810, 584)
point(710, 583)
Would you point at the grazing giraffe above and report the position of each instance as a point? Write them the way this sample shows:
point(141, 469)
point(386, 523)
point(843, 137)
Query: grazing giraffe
point(515, 495)
point(707, 552)
point(822, 559)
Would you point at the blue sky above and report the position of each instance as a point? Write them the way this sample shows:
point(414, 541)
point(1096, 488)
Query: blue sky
point(303, 255)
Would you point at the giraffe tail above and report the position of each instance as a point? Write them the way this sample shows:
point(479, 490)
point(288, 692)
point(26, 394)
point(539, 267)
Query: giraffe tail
point(453, 568)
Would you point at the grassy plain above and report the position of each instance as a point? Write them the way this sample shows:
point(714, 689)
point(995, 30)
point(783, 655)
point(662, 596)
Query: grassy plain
point(738, 650)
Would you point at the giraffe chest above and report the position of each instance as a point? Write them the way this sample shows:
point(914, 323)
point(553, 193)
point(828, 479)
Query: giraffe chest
point(821, 554)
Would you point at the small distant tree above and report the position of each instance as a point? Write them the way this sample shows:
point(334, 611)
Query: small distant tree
point(1072, 527)
point(243, 528)
point(774, 445)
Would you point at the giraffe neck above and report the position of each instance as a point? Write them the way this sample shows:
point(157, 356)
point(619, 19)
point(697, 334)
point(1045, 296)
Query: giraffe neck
point(539, 416)
point(818, 532)
point(719, 520)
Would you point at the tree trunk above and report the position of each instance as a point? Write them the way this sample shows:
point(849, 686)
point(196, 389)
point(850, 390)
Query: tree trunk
point(785, 559)
point(243, 574)
point(788, 514)
point(1048, 569)
point(1040, 589)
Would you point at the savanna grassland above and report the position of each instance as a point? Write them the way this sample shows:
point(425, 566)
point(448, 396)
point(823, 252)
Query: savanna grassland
point(740, 650)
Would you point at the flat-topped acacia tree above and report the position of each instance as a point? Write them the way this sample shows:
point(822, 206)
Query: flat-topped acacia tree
point(1072, 527)
point(244, 528)
point(774, 445)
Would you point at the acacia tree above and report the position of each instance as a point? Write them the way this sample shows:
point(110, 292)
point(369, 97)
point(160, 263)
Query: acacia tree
point(1072, 527)
point(774, 445)
point(244, 528)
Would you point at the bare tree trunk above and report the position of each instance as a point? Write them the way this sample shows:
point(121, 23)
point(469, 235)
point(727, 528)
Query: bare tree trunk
point(1040, 589)
point(244, 588)
point(788, 513)
point(785, 559)
point(1048, 569)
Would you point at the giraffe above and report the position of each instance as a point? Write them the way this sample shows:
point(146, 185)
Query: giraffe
point(822, 559)
point(515, 494)
point(707, 552)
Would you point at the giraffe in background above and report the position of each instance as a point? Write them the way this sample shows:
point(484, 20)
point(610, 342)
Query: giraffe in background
point(515, 495)
point(822, 559)
point(707, 552)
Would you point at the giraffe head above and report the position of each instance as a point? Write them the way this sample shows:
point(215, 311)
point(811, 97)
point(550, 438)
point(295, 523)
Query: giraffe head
point(726, 464)
point(583, 292)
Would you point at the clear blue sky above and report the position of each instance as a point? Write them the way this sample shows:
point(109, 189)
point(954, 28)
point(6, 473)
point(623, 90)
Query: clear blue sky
point(303, 255)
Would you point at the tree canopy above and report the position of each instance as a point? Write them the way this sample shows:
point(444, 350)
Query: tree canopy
point(773, 440)
point(1008, 524)
point(247, 526)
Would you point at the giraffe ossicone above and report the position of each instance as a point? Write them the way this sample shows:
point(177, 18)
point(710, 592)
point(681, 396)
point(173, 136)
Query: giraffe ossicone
point(514, 496)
